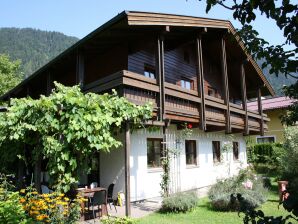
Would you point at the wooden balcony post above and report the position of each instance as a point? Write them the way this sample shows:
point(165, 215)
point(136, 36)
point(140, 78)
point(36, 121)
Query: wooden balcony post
point(161, 76)
point(260, 109)
point(225, 82)
point(244, 98)
point(49, 83)
point(80, 69)
point(200, 77)
point(127, 169)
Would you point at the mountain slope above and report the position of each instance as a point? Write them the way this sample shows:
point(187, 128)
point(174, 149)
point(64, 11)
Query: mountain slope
point(277, 82)
point(33, 47)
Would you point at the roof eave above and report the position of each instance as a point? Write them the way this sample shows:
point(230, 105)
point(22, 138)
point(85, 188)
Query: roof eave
point(115, 19)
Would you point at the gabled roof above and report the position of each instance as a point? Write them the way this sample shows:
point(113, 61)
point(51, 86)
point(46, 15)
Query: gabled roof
point(271, 103)
point(134, 19)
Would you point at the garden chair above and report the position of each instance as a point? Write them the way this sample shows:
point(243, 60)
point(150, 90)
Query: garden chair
point(99, 199)
point(110, 196)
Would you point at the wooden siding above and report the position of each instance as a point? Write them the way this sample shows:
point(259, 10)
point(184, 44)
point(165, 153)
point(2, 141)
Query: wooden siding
point(100, 65)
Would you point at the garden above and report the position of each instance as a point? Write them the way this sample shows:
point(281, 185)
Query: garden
point(56, 128)
point(251, 197)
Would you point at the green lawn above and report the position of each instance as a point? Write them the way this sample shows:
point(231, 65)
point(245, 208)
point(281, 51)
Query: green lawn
point(203, 214)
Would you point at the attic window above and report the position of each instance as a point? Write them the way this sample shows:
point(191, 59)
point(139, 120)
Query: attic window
point(149, 71)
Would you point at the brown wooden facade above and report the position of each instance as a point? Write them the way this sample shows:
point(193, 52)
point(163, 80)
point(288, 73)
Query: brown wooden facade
point(191, 69)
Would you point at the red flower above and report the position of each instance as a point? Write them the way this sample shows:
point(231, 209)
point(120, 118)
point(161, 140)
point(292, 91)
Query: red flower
point(189, 126)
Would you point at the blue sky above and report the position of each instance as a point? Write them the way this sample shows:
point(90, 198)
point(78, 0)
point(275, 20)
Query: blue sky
point(80, 17)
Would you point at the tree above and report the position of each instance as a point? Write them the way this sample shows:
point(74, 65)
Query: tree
point(66, 128)
point(10, 74)
point(280, 61)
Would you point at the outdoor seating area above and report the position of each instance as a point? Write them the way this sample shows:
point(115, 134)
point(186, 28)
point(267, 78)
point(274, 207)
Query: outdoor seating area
point(97, 200)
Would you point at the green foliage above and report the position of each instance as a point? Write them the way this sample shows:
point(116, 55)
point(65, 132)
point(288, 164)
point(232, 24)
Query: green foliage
point(269, 153)
point(11, 211)
point(68, 127)
point(115, 220)
point(290, 159)
point(180, 202)
point(10, 74)
point(33, 47)
point(223, 194)
point(266, 157)
point(257, 216)
point(292, 114)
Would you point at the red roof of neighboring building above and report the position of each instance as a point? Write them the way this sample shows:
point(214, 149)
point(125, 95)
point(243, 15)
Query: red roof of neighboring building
point(271, 103)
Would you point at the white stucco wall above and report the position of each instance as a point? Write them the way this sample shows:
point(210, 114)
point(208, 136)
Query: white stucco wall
point(145, 182)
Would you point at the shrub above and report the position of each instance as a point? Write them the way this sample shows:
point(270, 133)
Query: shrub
point(11, 211)
point(266, 157)
point(290, 158)
point(115, 220)
point(50, 208)
point(223, 193)
point(180, 202)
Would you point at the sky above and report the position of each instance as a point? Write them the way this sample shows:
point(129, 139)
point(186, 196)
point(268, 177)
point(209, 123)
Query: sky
point(80, 17)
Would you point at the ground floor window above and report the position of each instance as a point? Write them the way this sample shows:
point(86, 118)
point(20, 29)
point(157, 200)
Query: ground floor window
point(191, 152)
point(216, 151)
point(265, 139)
point(236, 150)
point(154, 152)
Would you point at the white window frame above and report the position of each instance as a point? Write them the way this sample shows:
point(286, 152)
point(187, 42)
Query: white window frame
point(267, 136)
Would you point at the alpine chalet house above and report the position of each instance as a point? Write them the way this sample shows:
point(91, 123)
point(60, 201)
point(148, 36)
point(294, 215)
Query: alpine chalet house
point(195, 71)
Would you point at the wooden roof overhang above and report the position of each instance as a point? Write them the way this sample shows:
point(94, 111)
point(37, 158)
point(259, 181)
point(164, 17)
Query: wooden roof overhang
point(129, 24)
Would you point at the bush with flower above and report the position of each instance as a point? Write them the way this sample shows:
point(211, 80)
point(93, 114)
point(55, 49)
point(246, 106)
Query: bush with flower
point(50, 208)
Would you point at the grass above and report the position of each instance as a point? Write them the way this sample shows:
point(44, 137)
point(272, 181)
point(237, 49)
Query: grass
point(204, 214)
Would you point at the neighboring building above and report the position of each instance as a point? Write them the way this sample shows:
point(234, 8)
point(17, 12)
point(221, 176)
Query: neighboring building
point(274, 108)
point(193, 70)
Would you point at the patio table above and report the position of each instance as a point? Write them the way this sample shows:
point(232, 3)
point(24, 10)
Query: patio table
point(88, 193)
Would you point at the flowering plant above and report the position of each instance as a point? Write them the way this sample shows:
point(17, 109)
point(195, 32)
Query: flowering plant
point(50, 208)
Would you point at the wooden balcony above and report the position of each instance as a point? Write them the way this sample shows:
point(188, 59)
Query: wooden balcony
point(180, 104)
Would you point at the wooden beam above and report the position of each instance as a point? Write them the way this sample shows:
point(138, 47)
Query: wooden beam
point(260, 109)
point(244, 98)
point(225, 82)
point(161, 78)
point(127, 169)
point(200, 78)
point(37, 174)
point(80, 69)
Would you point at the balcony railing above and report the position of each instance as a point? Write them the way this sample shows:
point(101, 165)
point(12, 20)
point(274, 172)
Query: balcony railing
point(180, 104)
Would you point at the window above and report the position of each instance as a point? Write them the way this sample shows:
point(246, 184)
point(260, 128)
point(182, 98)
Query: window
point(154, 152)
point(266, 139)
point(212, 91)
point(216, 151)
point(149, 71)
point(186, 84)
point(236, 150)
point(191, 152)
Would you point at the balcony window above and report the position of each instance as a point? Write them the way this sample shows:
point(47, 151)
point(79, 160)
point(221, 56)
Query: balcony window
point(154, 152)
point(191, 152)
point(216, 151)
point(149, 71)
point(187, 84)
point(236, 150)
